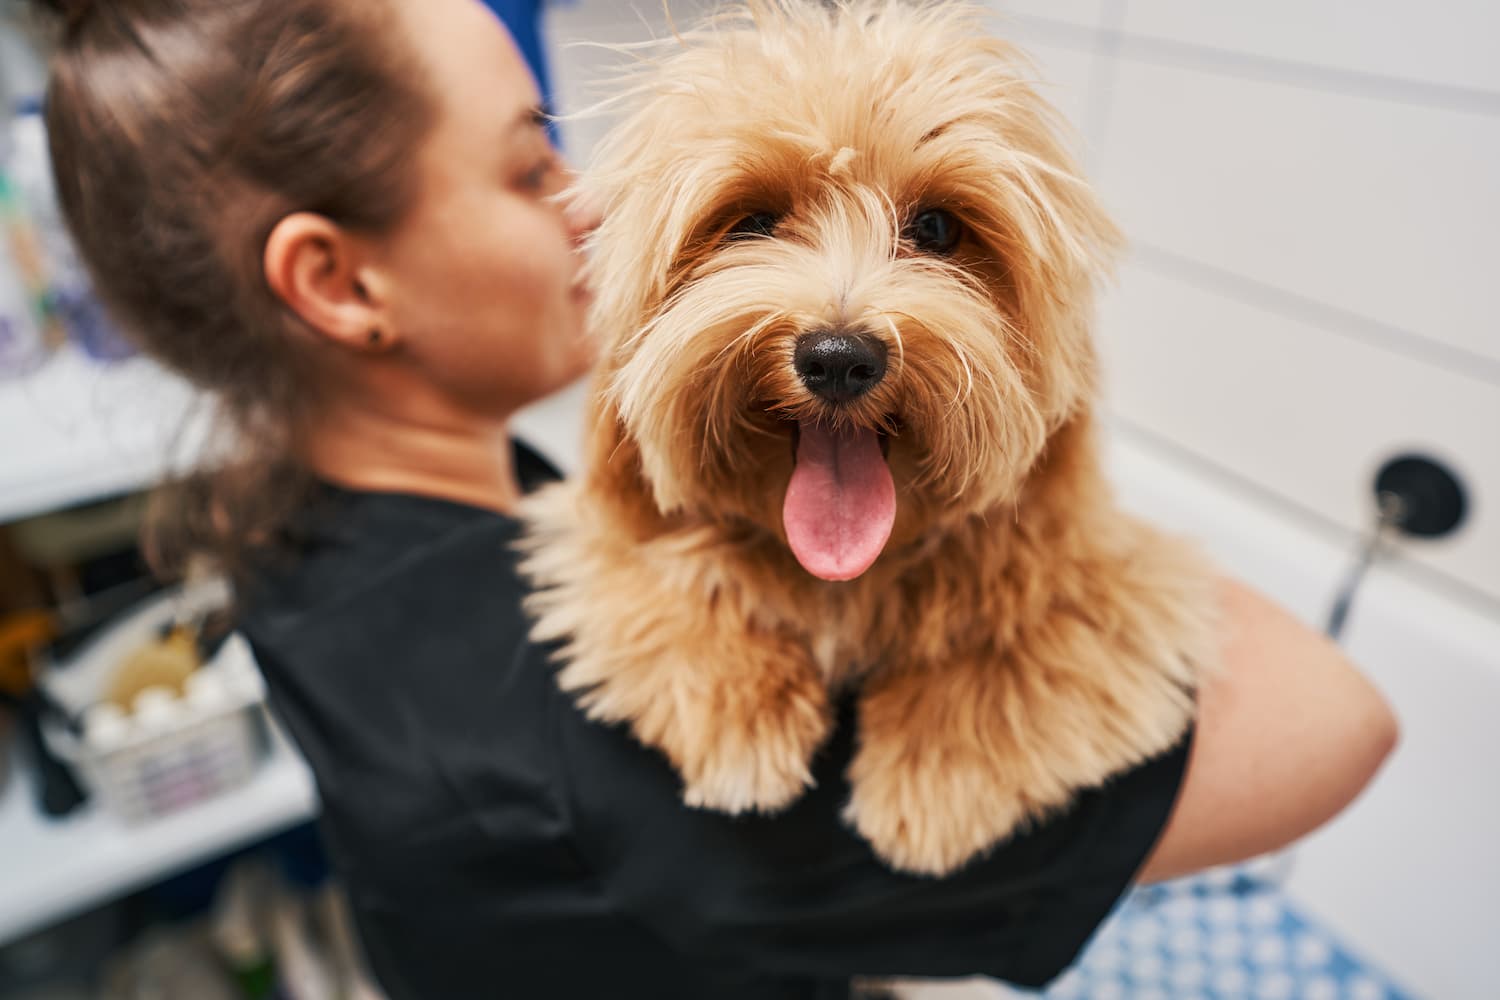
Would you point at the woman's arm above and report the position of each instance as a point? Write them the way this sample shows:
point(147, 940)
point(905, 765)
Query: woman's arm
point(1288, 734)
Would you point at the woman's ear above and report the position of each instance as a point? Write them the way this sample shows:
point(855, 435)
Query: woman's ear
point(315, 268)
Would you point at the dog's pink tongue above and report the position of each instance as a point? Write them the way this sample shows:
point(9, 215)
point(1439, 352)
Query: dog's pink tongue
point(841, 502)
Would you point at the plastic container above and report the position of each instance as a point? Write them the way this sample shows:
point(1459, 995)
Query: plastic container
point(169, 751)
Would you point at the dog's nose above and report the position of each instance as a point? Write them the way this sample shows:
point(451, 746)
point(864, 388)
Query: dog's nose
point(838, 365)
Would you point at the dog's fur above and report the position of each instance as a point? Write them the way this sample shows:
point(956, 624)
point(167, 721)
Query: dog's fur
point(1019, 638)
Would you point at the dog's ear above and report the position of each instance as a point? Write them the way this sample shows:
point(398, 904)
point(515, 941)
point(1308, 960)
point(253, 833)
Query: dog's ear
point(637, 244)
point(1047, 225)
point(659, 202)
point(613, 467)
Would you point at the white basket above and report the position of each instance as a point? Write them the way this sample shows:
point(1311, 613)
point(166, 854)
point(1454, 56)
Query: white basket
point(171, 751)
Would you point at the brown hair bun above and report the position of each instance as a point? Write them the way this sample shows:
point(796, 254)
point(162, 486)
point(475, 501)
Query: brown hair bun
point(73, 12)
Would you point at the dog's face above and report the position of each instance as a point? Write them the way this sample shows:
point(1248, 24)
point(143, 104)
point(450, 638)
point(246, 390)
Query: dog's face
point(845, 275)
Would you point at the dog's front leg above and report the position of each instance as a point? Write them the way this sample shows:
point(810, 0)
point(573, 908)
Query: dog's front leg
point(940, 775)
point(738, 712)
point(738, 707)
point(750, 714)
point(955, 756)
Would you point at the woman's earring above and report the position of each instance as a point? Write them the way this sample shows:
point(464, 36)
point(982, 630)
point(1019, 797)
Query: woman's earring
point(375, 337)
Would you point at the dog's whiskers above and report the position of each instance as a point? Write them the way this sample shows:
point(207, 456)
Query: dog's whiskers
point(754, 331)
point(900, 342)
point(963, 359)
point(715, 408)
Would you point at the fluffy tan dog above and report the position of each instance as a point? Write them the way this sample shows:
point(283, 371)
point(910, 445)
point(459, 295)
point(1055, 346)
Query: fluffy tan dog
point(842, 436)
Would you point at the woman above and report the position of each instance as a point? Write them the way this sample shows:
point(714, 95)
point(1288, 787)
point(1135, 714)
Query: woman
point(338, 217)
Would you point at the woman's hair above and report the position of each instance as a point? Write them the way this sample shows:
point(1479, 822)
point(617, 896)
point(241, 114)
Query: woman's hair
point(181, 132)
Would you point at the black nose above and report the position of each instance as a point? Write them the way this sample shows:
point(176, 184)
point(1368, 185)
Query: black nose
point(839, 366)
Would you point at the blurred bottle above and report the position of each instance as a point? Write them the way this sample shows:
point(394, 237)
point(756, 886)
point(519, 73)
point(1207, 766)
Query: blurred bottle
point(41, 255)
point(68, 294)
point(23, 68)
point(238, 929)
point(23, 341)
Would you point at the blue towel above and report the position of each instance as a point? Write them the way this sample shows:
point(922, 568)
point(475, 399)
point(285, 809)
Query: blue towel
point(523, 18)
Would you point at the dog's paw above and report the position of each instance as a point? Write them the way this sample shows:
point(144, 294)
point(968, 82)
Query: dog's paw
point(933, 818)
point(751, 756)
point(746, 782)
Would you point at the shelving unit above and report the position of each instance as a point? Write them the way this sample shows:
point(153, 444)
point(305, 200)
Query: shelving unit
point(52, 869)
point(73, 431)
point(77, 430)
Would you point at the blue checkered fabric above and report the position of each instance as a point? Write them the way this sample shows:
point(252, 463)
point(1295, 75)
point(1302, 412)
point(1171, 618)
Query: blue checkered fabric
point(1221, 937)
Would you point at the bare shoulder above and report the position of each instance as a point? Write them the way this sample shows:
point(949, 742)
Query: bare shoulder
point(1289, 733)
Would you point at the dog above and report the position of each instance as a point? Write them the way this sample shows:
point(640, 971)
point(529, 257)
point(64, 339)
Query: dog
point(842, 438)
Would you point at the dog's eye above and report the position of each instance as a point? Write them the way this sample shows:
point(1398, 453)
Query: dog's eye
point(934, 231)
point(758, 224)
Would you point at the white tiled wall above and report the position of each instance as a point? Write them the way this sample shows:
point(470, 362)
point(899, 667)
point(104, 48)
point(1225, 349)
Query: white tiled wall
point(1382, 210)
point(1086, 13)
point(1287, 405)
point(1311, 193)
point(1449, 43)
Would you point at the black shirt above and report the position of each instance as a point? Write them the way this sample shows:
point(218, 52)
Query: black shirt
point(495, 843)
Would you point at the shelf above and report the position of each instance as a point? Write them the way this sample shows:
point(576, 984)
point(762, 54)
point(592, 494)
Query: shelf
point(52, 869)
point(77, 430)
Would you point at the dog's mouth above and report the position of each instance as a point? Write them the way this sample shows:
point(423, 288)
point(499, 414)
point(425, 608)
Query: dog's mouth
point(794, 428)
point(840, 505)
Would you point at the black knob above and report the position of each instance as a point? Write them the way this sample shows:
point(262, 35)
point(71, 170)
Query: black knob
point(1430, 500)
point(839, 366)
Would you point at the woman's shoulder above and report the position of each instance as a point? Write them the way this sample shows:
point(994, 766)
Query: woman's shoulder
point(351, 556)
point(393, 620)
point(356, 552)
point(394, 647)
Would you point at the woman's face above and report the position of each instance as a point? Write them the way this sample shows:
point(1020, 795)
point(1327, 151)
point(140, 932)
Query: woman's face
point(483, 275)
